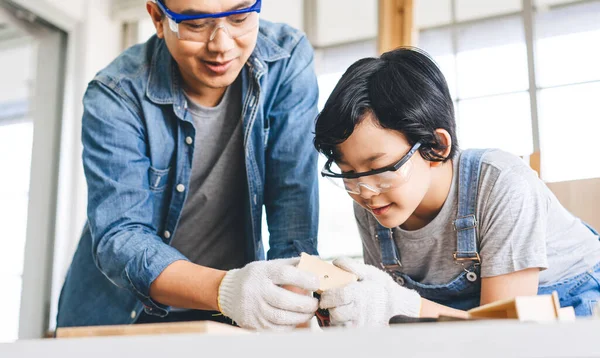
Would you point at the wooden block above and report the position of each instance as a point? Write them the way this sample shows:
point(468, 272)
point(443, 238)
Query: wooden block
point(330, 276)
point(536, 308)
point(494, 310)
point(542, 308)
point(206, 327)
point(566, 314)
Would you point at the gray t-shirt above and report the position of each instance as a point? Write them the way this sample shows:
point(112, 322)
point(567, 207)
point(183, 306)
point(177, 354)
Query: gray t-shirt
point(521, 225)
point(211, 228)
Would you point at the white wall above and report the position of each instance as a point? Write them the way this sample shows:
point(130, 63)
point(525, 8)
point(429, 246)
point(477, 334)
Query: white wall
point(290, 12)
point(430, 13)
point(476, 9)
point(335, 22)
point(74, 8)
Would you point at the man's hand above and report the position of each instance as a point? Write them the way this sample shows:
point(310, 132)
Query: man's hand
point(253, 297)
point(371, 301)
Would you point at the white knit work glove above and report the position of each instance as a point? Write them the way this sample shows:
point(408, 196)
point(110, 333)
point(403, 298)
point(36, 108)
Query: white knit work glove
point(253, 298)
point(370, 301)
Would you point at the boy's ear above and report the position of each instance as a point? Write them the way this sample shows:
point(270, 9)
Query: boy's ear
point(445, 139)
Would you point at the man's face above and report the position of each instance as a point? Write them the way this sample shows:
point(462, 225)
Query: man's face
point(216, 63)
point(371, 147)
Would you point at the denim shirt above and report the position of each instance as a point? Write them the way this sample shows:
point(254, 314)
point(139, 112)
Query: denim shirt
point(137, 160)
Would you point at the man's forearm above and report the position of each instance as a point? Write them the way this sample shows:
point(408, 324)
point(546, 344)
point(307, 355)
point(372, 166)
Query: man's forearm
point(186, 285)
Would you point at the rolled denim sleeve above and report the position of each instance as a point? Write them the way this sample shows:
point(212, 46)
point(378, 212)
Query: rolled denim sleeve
point(291, 184)
point(125, 244)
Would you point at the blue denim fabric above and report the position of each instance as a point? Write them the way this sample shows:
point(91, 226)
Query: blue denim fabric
point(582, 291)
point(135, 158)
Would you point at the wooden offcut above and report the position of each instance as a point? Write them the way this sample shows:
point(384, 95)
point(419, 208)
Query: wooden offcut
point(396, 24)
point(330, 276)
point(205, 327)
point(542, 308)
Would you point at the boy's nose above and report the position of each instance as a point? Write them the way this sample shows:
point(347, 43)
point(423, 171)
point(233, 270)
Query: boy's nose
point(366, 191)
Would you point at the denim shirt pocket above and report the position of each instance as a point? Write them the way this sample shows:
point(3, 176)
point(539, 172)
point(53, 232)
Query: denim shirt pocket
point(158, 179)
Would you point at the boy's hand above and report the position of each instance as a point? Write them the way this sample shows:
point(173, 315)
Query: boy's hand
point(371, 301)
point(253, 297)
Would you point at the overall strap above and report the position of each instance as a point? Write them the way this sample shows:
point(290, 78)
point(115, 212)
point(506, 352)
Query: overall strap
point(466, 223)
point(390, 257)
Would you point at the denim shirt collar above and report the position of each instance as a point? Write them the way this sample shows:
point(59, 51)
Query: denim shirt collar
point(164, 81)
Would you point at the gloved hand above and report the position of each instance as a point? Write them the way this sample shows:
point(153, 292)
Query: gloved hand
point(371, 301)
point(253, 297)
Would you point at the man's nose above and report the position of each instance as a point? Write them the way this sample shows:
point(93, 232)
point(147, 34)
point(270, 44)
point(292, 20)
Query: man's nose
point(220, 40)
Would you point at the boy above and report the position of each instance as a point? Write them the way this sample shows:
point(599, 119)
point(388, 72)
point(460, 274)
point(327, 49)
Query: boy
point(451, 229)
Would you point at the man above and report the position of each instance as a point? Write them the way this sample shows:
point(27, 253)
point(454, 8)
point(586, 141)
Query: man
point(185, 138)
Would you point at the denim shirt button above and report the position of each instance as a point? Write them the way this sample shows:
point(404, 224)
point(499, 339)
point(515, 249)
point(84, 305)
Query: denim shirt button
point(189, 140)
point(167, 234)
point(400, 281)
point(180, 188)
point(133, 314)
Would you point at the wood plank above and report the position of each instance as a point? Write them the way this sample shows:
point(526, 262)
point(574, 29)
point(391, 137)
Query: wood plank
point(207, 327)
point(330, 276)
point(498, 309)
point(542, 308)
point(536, 308)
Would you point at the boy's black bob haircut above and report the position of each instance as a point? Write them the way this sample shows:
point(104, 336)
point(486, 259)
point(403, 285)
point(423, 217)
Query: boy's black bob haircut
point(404, 90)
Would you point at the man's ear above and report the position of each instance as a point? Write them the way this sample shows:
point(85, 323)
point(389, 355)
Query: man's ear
point(157, 17)
point(446, 140)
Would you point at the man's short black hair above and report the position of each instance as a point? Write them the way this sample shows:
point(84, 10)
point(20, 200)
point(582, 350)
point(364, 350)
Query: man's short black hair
point(404, 90)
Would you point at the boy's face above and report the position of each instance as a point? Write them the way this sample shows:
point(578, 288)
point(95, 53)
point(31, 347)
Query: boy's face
point(371, 147)
point(216, 63)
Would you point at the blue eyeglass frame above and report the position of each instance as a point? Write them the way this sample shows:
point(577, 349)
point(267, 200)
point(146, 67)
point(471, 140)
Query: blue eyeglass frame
point(178, 18)
point(326, 172)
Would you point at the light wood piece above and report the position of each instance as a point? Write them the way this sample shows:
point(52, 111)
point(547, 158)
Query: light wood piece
point(207, 327)
point(330, 276)
point(580, 197)
point(535, 162)
point(542, 308)
point(396, 19)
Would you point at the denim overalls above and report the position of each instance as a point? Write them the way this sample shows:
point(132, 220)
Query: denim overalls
point(581, 291)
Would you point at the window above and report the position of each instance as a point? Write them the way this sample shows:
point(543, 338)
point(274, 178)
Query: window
point(481, 48)
point(31, 96)
point(568, 77)
point(484, 61)
point(16, 136)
